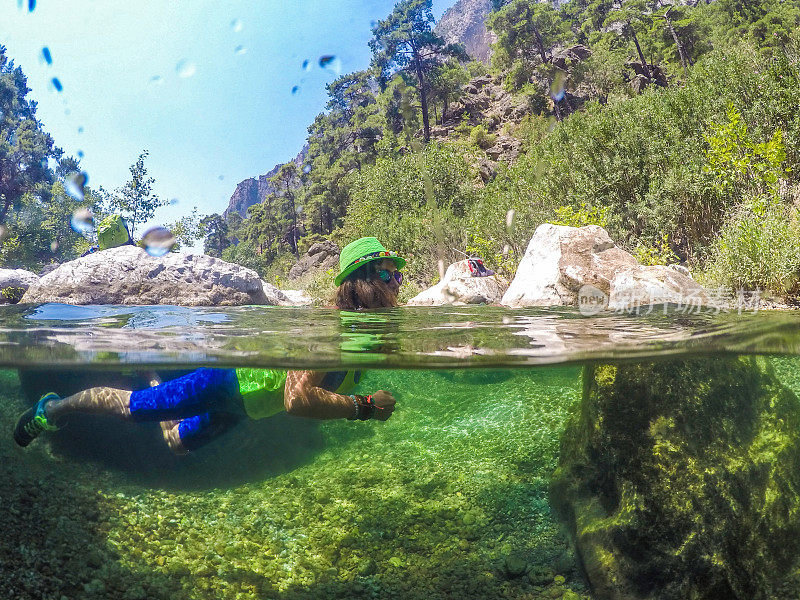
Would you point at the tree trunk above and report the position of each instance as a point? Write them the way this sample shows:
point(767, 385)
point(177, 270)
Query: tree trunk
point(540, 45)
point(423, 94)
point(677, 43)
point(641, 54)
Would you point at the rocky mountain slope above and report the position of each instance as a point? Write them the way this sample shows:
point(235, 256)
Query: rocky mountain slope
point(254, 190)
point(465, 23)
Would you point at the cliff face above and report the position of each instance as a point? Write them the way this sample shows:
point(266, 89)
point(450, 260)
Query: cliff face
point(465, 23)
point(254, 190)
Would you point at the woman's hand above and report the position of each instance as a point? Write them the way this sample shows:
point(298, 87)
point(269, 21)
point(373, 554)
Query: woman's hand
point(384, 405)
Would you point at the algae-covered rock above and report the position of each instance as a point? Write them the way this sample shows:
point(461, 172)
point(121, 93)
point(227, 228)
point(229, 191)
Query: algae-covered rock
point(680, 479)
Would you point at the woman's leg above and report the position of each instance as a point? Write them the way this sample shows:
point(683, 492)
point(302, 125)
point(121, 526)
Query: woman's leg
point(99, 400)
point(193, 394)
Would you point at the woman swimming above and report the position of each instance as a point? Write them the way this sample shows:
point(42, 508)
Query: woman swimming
point(200, 406)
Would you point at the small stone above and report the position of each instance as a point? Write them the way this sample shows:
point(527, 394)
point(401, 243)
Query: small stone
point(540, 575)
point(515, 565)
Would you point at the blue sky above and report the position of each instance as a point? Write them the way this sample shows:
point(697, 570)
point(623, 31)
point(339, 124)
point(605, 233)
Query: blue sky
point(205, 86)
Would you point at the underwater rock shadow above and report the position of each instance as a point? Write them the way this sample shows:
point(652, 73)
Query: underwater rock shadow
point(250, 451)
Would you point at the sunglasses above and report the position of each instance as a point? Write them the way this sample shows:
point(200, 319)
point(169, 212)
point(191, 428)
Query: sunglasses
point(386, 276)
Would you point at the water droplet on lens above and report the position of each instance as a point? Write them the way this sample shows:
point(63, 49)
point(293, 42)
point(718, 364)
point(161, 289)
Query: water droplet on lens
point(156, 79)
point(236, 25)
point(158, 241)
point(306, 65)
point(295, 89)
point(240, 50)
point(557, 90)
point(332, 64)
point(31, 5)
point(374, 24)
point(551, 123)
point(185, 69)
point(68, 112)
point(46, 55)
point(307, 169)
point(173, 201)
point(82, 222)
point(221, 177)
point(80, 153)
point(57, 84)
point(74, 183)
point(80, 129)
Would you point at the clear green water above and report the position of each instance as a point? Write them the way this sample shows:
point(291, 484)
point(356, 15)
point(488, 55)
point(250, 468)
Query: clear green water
point(438, 502)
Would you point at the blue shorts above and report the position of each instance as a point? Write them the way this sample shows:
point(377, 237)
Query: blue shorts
point(206, 402)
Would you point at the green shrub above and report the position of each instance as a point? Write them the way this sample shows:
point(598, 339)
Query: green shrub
point(481, 137)
point(12, 295)
point(658, 254)
point(759, 248)
point(582, 216)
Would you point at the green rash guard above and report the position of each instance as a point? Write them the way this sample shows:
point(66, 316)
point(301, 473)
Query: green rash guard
point(262, 389)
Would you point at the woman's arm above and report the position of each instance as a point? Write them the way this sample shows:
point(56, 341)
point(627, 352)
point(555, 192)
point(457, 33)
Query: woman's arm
point(304, 398)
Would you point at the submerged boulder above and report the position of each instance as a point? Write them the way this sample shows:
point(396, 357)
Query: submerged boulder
point(681, 479)
point(129, 275)
point(459, 287)
point(563, 264)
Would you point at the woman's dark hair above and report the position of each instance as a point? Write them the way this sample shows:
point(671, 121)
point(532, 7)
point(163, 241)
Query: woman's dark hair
point(363, 289)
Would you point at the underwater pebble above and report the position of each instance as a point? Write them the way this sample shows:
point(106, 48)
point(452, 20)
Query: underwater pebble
point(514, 565)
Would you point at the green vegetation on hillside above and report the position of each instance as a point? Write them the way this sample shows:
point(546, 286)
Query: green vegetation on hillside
point(679, 126)
point(700, 166)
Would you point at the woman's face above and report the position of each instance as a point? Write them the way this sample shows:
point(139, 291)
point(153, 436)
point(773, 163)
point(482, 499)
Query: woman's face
point(388, 264)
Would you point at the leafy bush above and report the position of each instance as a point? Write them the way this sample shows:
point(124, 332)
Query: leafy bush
point(581, 217)
point(759, 247)
point(414, 204)
point(658, 254)
point(481, 137)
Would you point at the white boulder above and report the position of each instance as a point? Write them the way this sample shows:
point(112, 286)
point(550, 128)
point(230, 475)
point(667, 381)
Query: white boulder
point(459, 287)
point(568, 266)
point(129, 275)
point(13, 280)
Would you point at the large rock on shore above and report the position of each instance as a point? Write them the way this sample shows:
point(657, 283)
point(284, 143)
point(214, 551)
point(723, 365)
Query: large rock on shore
point(565, 266)
point(13, 283)
point(681, 479)
point(320, 257)
point(129, 275)
point(459, 287)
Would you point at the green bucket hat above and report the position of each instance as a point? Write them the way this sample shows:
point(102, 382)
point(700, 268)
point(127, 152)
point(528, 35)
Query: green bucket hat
point(360, 252)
